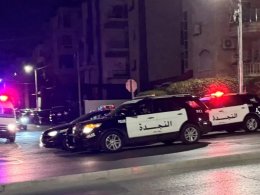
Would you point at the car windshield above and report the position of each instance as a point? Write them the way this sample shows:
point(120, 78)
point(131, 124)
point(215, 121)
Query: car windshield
point(81, 118)
point(90, 116)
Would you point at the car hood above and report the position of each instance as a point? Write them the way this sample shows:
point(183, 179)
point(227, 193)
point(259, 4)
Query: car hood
point(58, 127)
point(101, 120)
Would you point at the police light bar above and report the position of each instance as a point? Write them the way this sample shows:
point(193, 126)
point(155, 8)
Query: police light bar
point(217, 94)
point(3, 98)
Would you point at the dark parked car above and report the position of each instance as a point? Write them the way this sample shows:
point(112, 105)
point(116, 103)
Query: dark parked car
point(42, 117)
point(56, 136)
point(60, 114)
point(230, 112)
point(144, 121)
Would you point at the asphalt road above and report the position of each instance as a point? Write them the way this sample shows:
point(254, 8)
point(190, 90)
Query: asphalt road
point(234, 180)
point(25, 160)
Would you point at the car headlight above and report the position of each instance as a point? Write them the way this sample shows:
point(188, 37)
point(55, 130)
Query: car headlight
point(53, 133)
point(11, 127)
point(74, 130)
point(24, 120)
point(89, 127)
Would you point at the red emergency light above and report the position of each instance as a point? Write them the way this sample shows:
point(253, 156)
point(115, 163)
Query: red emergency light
point(3, 98)
point(217, 94)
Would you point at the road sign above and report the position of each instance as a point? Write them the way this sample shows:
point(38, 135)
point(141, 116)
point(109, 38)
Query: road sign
point(131, 86)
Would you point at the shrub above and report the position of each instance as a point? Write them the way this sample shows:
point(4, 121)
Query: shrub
point(198, 87)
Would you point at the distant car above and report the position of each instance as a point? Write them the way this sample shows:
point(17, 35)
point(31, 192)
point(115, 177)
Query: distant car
point(144, 121)
point(56, 136)
point(22, 118)
point(42, 117)
point(230, 112)
point(59, 114)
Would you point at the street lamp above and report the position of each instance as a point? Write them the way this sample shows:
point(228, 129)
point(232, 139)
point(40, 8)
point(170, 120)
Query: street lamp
point(28, 69)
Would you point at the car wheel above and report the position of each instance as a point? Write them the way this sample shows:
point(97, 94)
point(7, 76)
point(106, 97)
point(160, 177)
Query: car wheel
point(112, 142)
point(11, 139)
point(67, 145)
point(189, 134)
point(251, 123)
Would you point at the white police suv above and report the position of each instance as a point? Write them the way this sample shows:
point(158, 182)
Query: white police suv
point(145, 121)
point(230, 112)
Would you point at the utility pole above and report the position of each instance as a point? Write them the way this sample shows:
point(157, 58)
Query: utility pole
point(240, 48)
point(79, 84)
point(36, 89)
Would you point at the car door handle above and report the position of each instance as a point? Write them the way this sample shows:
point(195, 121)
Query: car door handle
point(150, 117)
point(179, 114)
point(243, 107)
point(221, 111)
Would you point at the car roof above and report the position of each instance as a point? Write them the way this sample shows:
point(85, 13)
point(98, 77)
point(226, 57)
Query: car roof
point(165, 96)
point(152, 97)
point(226, 95)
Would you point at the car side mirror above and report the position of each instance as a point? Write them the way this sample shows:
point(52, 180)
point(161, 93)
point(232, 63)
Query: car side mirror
point(122, 114)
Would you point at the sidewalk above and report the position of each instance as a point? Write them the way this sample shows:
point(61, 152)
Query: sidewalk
point(65, 182)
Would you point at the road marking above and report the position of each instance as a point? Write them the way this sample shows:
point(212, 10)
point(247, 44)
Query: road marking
point(10, 161)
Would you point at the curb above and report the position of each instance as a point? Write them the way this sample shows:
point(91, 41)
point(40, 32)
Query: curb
point(72, 181)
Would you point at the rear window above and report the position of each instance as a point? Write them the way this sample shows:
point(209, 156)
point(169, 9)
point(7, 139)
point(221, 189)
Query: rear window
point(6, 109)
point(193, 104)
point(197, 104)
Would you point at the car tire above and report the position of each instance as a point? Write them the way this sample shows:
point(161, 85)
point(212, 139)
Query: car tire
point(112, 142)
point(189, 134)
point(68, 146)
point(251, 124)
point(11, 139)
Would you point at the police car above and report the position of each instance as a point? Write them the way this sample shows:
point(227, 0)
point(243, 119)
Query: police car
point(144, 121)
point(8, 127)
point(231, 111)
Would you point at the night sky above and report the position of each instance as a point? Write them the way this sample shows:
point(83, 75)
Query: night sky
point(21, 24)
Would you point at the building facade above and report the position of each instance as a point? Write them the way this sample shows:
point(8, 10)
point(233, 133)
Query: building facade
point(103, 43)
point(123, 39)
point(211, 37)
point(56, 58)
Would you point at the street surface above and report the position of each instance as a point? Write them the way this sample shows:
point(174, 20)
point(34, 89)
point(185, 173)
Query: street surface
point(25, 160)
point(235, 180)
